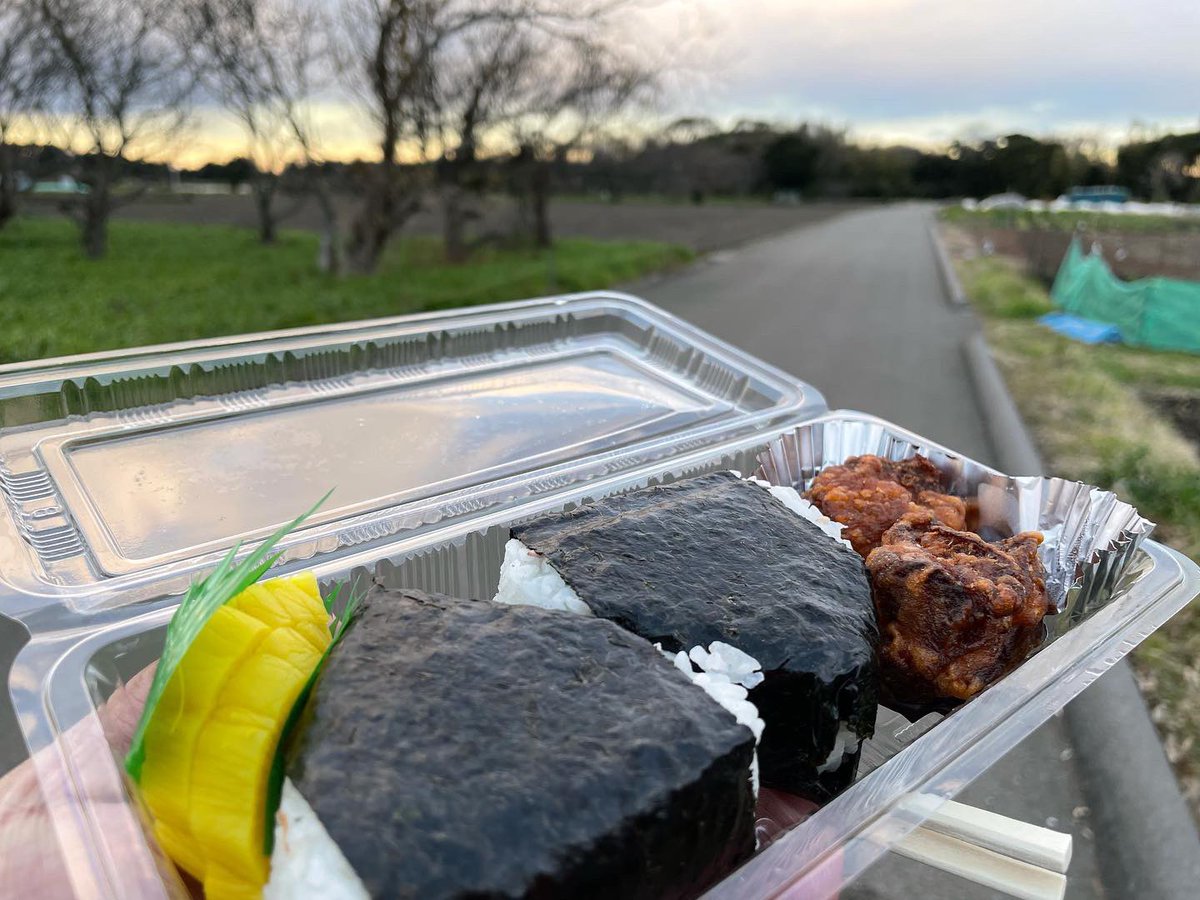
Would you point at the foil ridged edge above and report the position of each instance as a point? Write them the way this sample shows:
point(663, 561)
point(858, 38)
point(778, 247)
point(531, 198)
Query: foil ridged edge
point(1092, 536)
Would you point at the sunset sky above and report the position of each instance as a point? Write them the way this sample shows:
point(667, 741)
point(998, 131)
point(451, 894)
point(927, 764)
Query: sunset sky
point(923, 72)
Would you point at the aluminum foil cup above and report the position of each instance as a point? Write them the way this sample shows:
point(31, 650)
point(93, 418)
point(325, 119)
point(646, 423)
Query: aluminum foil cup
point(1091, 536)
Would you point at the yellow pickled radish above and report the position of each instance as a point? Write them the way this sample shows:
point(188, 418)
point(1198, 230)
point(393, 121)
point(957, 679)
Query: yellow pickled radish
point(221, 883)
point(235, 751)
point(180, 848)
point(212, 739)
point(265, 604)
point(284, 604)
point(228, 638)
point(227, 815)
point(307, 583)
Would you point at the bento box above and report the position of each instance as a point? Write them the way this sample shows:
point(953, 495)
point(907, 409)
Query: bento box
point(129, 474)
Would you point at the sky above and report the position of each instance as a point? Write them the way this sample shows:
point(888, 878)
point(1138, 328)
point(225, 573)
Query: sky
point(931, 71)
point(919, 72)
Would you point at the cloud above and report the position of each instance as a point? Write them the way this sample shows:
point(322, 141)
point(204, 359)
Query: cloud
point(1099, 64)
point(922, 72)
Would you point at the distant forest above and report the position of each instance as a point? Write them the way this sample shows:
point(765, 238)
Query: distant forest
point(694, 159)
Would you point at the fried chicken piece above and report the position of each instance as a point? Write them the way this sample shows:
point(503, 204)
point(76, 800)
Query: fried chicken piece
point(947, 510)
point(866, 507)
point(868, 494)
point(916, 473)
point(955, 612)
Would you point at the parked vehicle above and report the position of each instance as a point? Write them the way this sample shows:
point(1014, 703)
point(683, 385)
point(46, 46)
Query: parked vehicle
point(1098, 193)
point(63, 184)
point(1009, 200)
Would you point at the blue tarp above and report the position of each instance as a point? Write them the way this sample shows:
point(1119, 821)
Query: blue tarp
point(1089, 331)
point(1163, 313)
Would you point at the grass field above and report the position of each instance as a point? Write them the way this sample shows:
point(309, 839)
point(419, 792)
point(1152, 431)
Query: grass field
point(1087, 409)
point(1070, 221)
point(165, 282)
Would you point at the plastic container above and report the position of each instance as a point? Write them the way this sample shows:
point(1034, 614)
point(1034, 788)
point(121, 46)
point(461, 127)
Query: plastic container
point(93, 624)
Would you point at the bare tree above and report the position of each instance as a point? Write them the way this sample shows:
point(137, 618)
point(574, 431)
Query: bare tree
point(264, 59)
point(394, 51)
point(389, 50)
point(578, 85)
point(126, 86)
point(477, 89)
point(690, 129)
point(25, 75)
point(540, 75)
point(433, 75)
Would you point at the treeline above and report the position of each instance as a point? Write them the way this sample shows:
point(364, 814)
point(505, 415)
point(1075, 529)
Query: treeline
point(694, 159)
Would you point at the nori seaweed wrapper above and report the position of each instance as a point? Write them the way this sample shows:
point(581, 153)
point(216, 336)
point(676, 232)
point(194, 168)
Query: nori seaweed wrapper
point(459, 748)
point(717, 558)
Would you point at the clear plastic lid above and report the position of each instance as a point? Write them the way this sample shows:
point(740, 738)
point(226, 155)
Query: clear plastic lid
point(127, 473)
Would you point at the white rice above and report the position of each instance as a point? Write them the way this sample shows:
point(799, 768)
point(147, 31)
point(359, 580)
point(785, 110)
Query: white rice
point(718, 684)
point(727, 660)
point(845, 744)
point(528, 579)
point(306, 862)
point(791, 498)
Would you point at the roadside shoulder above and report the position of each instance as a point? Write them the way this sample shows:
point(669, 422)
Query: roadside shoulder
point(1147, 839)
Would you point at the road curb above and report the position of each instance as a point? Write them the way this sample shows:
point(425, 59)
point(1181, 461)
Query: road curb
point(1146, 838)
point(950, 283)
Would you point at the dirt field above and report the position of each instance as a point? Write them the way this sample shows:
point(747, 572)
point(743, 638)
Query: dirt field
point(701, 228)
point(1182, 408)
point(1131, 254)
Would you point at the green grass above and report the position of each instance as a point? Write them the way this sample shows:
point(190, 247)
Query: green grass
point(1000, 291)
point(164, 283)
point(1085, 408)
point(1093, 425)
point(1070, 221)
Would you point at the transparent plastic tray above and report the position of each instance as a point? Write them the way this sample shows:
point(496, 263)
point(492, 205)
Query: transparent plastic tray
point(64, 674)
point(124, 469)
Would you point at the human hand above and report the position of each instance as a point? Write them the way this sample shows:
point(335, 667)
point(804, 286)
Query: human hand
point(31, 859)
point(776, 813)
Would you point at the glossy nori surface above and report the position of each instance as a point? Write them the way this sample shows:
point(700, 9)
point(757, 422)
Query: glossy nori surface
point(457, 748)
point(716, 558)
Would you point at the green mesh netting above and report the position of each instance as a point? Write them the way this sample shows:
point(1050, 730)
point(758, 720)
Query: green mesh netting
point(1163, 313)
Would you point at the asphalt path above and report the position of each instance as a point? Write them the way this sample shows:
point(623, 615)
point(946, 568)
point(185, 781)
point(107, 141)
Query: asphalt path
point(853, 305)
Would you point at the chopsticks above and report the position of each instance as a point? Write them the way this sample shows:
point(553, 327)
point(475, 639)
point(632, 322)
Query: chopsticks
point(1022, 860)
point(1029, 843)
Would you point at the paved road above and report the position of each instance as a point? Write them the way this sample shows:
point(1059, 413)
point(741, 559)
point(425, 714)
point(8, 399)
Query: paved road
point(854, 306)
